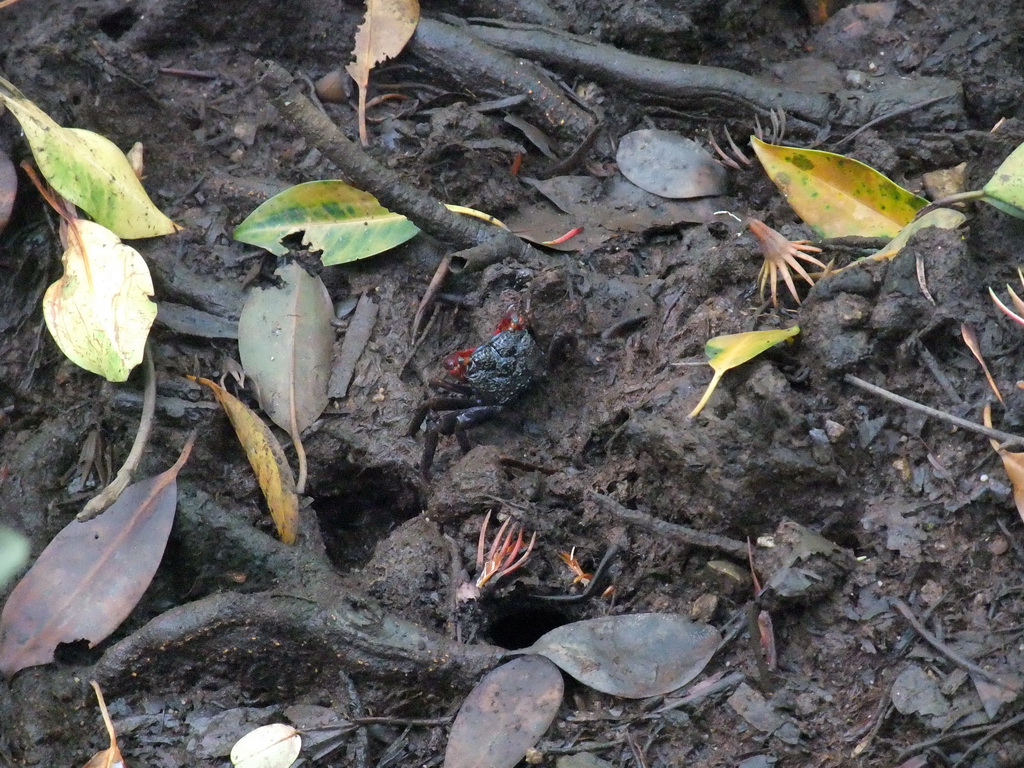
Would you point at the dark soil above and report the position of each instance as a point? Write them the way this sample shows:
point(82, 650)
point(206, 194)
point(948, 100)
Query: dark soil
point(362, 617)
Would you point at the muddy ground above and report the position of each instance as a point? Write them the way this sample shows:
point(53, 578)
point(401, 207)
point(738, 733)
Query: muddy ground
point(362, 618)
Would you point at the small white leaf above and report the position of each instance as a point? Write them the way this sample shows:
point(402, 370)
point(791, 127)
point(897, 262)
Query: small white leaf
point(272, 746)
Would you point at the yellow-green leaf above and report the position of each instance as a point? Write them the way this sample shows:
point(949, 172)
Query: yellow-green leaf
point(89, 170)
point(1005, 190)
point(727, 352)
point(100, 311)
point(267, 459)
point(943, 218)
point(343, 222)
point(838, 196)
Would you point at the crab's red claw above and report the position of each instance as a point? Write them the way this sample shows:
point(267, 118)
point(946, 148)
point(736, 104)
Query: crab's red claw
point(456, 362)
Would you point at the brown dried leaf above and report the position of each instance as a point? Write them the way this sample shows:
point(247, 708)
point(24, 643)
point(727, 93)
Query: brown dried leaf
point(386, 29)
point(267, 459)
point(89, 578)
point(505, 714)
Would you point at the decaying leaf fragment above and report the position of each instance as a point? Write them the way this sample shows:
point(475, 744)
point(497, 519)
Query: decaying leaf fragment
point(90, 577)
point(729, 351)
point(100, 311)
point(111, 756)
point(267, 459)
point(386, 29)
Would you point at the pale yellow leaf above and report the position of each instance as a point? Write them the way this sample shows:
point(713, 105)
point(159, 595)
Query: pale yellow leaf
point(386, 29)
point(267, 459)
point(100, 311)
point(270, 746)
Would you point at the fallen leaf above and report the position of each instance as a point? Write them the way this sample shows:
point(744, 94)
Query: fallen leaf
point(271, 746)
point(100, 311)
point(360, 328)
point(267, 459)
point(505, 714)
point(670, 165)
point(285, 344)
point(89, 578)
point(111, 756)
point(633, 656)
point(89, 170)
point(383, 34)
point(344, 223)
point(1013, 463)
point(837, 196)
point(727, 352)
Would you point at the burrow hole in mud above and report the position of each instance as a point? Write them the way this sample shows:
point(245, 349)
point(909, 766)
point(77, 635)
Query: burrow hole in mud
point(361, 509)
point(518, 626)
point(115, 25)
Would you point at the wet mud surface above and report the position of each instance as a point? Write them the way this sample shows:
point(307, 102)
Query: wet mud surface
point(366, 616)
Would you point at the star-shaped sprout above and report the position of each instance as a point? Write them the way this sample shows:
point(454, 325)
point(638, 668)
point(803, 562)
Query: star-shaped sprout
point(780, 256)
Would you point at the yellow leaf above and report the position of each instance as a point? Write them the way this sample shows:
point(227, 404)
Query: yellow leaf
point(386, 29)
point(89, 170)
point(267, 459)
point(1013, 463)
point(727, 352)
point(837, 196)
point(100, 311)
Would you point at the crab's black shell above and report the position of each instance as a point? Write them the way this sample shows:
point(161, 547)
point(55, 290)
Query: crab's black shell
point(503, 368)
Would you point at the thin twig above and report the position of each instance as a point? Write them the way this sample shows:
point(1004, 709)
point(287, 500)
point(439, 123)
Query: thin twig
point(956, 658)
point(988, 737)
point(678, 532)
point(1005, 438)
point(430, 297)
point(112, 492)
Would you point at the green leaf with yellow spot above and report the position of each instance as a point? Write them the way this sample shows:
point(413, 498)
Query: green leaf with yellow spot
point(342, 222)
point(727, 352)
point(838, 196)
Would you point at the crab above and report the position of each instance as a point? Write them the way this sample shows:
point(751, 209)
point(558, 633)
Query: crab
point(481, 382)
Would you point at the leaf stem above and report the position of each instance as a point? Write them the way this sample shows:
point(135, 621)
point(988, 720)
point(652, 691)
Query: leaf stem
point(112, 492)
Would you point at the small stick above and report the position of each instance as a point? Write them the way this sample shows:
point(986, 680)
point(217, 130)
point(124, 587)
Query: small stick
point(430, 297)
point(679, 532)
point(112, 492)
point(1005, 438)
point(945, 650)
